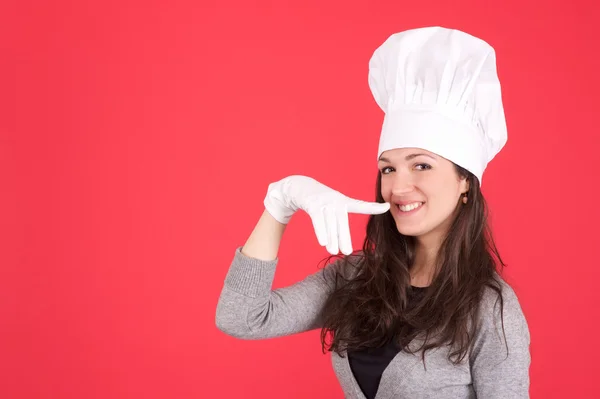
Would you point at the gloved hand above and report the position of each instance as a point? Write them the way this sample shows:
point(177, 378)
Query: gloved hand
point(327, 208)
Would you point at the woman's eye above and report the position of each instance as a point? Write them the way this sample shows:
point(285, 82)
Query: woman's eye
point(385, 170)
point(423, 166)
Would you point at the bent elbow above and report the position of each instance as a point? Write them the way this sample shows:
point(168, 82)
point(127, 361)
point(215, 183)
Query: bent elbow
point(231, 324)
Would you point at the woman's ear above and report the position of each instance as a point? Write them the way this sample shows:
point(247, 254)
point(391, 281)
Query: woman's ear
point(464, 185)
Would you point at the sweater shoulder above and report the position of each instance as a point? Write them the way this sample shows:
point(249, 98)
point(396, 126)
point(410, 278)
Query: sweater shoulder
point(500, 303)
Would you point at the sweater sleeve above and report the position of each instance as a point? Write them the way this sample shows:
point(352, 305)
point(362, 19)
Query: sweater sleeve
point(499, 366)
point(249, 309)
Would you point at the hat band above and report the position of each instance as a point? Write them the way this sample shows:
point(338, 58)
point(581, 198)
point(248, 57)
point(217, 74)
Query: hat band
point(436, 131)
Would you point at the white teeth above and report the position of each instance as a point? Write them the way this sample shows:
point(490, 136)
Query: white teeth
point(410, 207)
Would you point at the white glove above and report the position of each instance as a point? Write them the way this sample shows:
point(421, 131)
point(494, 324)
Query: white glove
point(327, 208)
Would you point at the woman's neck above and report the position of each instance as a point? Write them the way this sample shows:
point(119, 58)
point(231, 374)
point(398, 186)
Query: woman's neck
point(423, 267)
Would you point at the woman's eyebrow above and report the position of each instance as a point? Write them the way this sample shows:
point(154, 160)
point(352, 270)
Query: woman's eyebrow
point(411, 156)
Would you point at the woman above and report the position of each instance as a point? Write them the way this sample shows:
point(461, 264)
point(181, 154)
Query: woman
point(421, 311)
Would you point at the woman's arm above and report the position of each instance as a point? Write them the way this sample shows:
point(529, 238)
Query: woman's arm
point(499, 366)
point(249, 309)
point(247, 306)
point(263, 243)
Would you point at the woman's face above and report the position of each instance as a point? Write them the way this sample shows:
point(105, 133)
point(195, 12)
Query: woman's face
point(423, 189)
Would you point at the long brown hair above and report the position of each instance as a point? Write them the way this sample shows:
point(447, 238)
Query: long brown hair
point(371, 307)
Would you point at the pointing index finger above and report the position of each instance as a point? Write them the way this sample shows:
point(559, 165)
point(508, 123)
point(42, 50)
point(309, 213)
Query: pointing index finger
point(368, 208)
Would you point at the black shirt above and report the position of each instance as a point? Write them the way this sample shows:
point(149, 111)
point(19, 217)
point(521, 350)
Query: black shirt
point(368, 364)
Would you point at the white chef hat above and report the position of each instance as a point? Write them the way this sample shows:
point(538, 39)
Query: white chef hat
point(440, 92)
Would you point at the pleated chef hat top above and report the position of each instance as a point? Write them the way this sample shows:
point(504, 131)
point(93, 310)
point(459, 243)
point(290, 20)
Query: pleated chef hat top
point(440, 91)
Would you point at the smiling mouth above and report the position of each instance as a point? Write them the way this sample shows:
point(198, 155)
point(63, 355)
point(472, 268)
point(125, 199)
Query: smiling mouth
point(410, 207)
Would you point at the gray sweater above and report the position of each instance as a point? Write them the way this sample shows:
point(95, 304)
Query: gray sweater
point(248, 308)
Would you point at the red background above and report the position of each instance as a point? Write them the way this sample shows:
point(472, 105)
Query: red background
point(137, 140)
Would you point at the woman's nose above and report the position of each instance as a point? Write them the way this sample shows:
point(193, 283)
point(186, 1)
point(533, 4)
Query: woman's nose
point(403, 184)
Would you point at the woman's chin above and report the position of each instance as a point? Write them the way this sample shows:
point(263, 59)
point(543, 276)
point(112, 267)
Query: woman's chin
point(410, 231)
